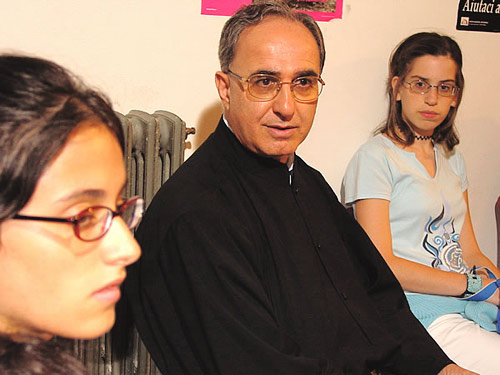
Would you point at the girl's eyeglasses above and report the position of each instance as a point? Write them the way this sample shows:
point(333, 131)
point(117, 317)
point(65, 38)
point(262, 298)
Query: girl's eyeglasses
point(94, 222)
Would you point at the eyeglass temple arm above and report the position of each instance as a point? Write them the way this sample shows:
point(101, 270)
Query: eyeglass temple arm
point(40, 218)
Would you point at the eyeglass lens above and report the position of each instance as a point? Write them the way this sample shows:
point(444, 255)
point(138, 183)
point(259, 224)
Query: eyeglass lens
point(95, 222)
point(132, 211)
point(267, 87)
point(422, 87)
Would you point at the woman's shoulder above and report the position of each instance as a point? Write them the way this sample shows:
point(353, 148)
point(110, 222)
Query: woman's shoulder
point(377, 147)
point(454, 157)
point(454, 154)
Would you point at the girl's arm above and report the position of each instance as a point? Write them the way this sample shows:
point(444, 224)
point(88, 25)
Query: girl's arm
point(373, 215)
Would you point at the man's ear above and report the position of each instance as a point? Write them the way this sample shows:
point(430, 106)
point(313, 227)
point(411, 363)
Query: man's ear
point(222, 84)
point(394, 84)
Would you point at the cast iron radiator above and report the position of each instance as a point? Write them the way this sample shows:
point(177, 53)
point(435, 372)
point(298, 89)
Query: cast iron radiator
point(154, 149)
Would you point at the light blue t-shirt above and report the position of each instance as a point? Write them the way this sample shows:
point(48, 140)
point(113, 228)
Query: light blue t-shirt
point(426, 216)
point(426, 213)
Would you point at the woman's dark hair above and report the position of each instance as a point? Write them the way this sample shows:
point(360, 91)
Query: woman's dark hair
point(42, 358)
point(400, 63)
point(41, 103)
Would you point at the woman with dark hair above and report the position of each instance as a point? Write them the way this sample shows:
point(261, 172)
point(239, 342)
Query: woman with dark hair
point(64, 225)
point(408, 186)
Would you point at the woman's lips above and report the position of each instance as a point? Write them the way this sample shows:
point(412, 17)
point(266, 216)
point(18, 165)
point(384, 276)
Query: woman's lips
point(428, 114)
point(110, 293)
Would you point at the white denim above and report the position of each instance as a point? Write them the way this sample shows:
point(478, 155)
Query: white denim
point(467, 344)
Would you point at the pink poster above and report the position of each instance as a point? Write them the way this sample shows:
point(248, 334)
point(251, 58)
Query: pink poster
point(222, 7)
point(320, 10)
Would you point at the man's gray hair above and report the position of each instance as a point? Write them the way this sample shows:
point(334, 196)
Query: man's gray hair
point(254, 14)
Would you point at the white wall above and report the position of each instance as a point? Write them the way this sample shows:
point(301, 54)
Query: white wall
point(162, 54)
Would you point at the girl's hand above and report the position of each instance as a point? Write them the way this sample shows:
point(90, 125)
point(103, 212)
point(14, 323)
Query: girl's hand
point(495, 297)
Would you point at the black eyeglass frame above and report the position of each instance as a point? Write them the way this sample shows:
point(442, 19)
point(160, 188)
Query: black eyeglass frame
point(74, 220)
point(280, 84)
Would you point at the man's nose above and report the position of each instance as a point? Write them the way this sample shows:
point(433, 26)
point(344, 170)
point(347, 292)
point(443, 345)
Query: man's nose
point(284, 103)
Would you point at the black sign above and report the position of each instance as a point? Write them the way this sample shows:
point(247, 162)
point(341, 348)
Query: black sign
point(479, 15)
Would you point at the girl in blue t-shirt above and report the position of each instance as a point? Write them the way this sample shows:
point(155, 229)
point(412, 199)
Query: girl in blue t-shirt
point(408, 186)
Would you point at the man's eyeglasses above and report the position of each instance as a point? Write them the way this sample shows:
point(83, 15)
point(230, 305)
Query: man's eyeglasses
point(94, 222)
point(419, 86)
point(264, 87)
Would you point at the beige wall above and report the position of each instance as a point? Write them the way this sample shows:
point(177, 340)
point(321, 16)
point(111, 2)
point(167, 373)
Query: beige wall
point(162, 54)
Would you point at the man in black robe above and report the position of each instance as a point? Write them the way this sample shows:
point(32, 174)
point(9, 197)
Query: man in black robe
point(250, 264)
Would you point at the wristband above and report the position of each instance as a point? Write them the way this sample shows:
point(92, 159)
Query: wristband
point(474, 284)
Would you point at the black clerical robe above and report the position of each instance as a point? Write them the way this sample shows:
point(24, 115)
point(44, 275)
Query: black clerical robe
point(243, 273)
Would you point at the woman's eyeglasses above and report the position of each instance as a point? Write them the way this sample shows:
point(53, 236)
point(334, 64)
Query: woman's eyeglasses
point(94, 222)
point(419, 86)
